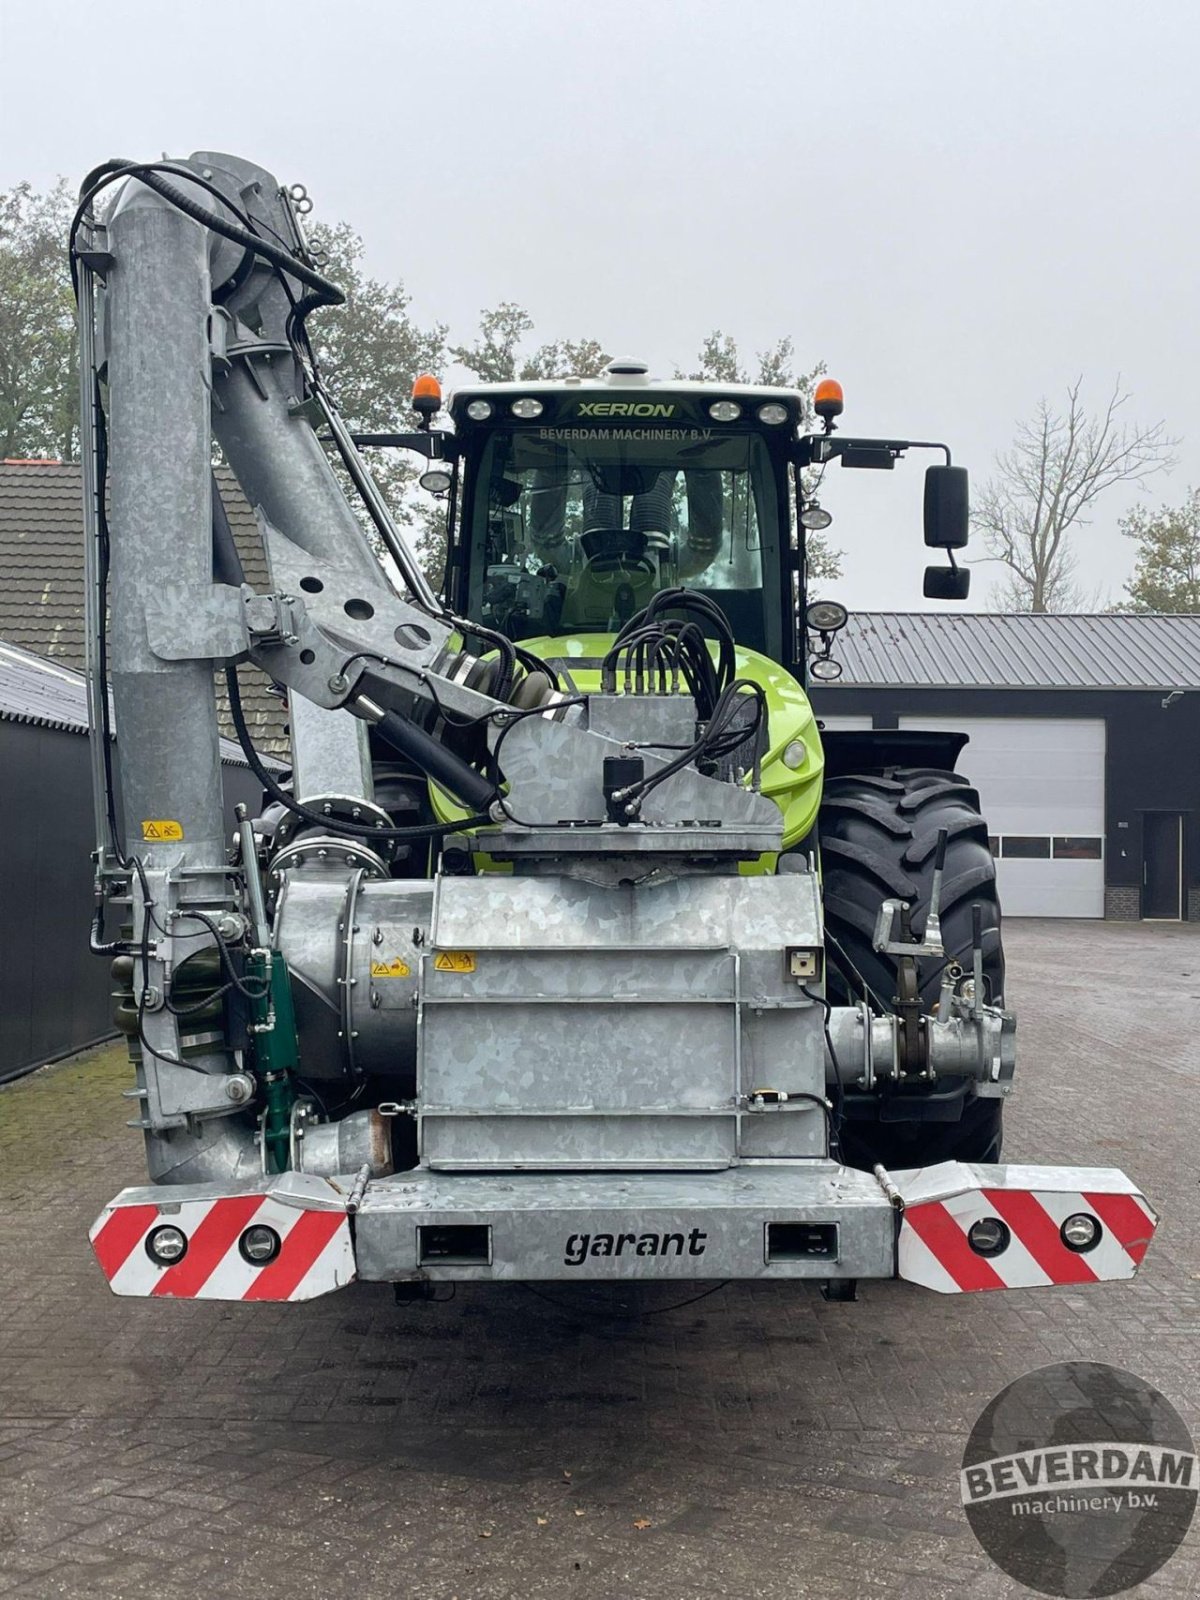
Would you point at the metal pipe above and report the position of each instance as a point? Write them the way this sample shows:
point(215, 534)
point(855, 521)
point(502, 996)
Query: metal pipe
point(158, 303)
point(161, 527)
point(254, 889)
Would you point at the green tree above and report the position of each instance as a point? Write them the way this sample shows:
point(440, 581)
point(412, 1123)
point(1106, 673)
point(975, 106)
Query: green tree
point(566, 358)
point(39, 401)
point(369, 351)
point(493, 357)
point(496, 355)
point(1167, 574)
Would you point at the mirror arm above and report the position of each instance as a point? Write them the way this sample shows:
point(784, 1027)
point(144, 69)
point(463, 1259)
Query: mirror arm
point(437, 444)
point(817, 449)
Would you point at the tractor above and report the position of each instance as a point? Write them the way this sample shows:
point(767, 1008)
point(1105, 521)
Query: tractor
point(565, 945)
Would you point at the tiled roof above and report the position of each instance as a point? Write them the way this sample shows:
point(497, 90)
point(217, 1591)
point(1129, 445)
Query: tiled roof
point(993, 650)
point(51, 695)
point(41, 595)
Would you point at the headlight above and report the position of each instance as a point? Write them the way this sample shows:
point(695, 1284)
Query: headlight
point(724, 411)
point(772, 414)
point(826, 616)
point(479, 410)
point(794, 755)
point(259, 1245)
point(1081, 1232)
point(825, 670)
point(815, 517)
point(527, 409)
point(988, 1237)
point(166, 1246)
point(437, 480)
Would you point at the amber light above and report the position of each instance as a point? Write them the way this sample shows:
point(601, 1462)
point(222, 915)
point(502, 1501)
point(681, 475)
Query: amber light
point(828, 399)
point(426, 395)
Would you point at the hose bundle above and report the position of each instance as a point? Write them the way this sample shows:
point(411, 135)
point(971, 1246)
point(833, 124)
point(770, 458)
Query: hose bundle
point(658, 649)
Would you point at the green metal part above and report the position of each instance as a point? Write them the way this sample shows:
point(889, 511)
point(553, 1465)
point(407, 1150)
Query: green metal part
point(275, 1050)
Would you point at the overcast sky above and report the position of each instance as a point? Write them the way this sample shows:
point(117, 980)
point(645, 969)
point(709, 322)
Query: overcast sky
point(958, 207)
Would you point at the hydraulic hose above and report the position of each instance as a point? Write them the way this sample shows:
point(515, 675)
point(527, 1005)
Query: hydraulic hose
point(432, 830)
point(151, 174)
point(446, 769)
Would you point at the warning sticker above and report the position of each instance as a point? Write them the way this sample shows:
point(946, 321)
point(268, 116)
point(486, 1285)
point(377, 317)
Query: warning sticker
point(158, 832)
point(454, 961)
point(395, 968)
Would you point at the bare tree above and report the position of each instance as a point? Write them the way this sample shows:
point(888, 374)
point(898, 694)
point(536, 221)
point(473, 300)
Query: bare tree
point(1059, 463)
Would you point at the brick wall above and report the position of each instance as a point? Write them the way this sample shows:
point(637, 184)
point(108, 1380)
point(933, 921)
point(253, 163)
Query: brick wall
point(1122, 904)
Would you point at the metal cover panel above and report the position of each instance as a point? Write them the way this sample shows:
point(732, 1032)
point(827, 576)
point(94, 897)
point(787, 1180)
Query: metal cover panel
point(581, 1083)
point(712, 912)
point(566, 1023)
point(539, 1222)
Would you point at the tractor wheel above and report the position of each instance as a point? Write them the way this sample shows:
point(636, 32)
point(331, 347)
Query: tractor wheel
point(878, 836)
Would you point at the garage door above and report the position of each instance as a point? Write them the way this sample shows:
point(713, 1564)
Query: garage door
point(1041, 782)
point(845, 724)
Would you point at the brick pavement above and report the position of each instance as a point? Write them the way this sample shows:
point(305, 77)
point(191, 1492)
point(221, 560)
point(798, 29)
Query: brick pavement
point(498, 1446)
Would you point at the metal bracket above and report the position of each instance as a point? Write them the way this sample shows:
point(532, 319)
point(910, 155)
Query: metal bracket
point(196, 622)
point(883, 938)
point(173, 1094)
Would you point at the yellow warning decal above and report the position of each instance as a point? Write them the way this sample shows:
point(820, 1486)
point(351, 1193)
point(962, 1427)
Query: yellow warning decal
point(158, 832)
point(454, 961)
point(395, 968)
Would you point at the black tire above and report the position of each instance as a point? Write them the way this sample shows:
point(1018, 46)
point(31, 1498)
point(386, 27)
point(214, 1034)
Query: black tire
point(878, 835)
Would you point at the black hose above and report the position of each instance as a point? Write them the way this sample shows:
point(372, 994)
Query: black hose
point(710, 741)
point(151, 174)
point(432, 830)
point(446, 769)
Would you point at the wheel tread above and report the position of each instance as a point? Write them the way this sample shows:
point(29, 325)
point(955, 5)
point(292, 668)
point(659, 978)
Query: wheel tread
point(878, 835)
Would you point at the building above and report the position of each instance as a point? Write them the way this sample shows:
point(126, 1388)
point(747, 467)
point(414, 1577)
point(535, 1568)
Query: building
point(1084, 744)
point(41, 558)
point(57, 996)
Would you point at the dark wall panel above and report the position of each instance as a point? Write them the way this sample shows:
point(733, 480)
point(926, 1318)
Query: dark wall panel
point(54, 994)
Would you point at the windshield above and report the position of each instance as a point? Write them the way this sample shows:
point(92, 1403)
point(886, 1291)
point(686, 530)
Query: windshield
point(576, 529)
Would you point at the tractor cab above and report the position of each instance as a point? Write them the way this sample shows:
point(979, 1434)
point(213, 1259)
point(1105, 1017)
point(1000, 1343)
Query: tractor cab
point(580, 501)
point(574, 502)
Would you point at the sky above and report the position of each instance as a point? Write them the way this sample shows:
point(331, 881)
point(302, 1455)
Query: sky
point(958, 207)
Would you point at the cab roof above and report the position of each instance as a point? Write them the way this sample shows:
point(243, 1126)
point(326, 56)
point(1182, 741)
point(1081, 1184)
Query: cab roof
point(627, 384)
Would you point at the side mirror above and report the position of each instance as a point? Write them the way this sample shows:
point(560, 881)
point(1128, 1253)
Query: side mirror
point(947, 508)
point(946, 583)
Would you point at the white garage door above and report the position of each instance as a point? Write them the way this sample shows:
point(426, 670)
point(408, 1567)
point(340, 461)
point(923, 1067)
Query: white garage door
point(1041, 783)
point(846, 724)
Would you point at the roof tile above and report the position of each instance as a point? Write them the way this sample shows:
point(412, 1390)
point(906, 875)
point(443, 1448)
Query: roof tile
point(41, 557)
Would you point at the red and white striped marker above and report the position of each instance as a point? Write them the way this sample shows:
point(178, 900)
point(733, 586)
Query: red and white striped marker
point(316, 1253)
point(942, 1203)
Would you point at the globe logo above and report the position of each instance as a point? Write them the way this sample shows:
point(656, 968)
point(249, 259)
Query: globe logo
point(1079, 1479)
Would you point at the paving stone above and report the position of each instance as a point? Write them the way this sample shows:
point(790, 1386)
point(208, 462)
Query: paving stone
point(778, 1445)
